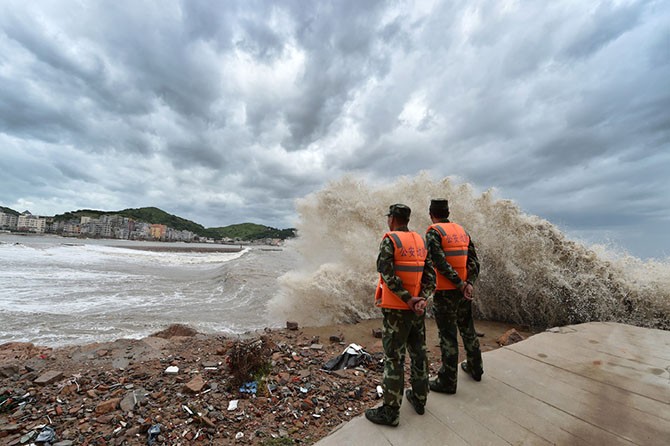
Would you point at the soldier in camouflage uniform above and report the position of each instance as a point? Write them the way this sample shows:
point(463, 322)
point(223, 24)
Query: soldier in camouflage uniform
point(407, 279)
point(457, 267)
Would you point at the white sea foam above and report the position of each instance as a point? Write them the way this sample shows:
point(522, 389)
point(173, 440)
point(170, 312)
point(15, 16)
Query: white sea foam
point(52, 293)
point(532, 273)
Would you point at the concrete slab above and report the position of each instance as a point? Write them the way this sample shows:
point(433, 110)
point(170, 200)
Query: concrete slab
point(595, 383)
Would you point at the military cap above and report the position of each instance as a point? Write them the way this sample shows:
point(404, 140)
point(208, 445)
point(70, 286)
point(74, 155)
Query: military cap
point(399, 210)
point(439, 204)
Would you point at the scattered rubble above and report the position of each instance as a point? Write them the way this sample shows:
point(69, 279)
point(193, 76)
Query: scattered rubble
point(511, 336)
point(291, 325)
point(266, 389)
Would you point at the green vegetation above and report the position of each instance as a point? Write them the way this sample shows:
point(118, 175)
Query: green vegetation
point(8, 211)
point(252, 231)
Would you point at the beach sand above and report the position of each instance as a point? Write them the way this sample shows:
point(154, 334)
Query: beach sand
point(112, 393)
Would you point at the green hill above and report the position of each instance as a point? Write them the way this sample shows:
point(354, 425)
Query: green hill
point(252, 231)
point(8, 210)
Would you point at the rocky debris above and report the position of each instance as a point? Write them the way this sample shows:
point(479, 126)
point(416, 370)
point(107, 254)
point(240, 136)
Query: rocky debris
point(291, 325)
point(269, 387)
point(511, 336)
point(107, 406)
point(8, 370)
point(176, 330)
point(195, 385)
point(287, 397)
point(337, 338)
point(48, 377)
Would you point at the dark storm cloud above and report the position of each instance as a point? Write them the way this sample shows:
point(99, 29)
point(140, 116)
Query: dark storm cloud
point(228, 111)
point(343, 54)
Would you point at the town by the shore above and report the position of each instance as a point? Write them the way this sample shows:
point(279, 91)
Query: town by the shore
point(183, 387)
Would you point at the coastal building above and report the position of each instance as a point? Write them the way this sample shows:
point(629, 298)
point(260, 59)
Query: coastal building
point(71, 228)
point(105, 226)
point(158, 231)
point(31, 223)
point(176, 235)
point(8, 221)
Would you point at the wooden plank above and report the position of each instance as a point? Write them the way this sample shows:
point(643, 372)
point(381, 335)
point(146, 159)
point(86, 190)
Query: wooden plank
point(597, 383)
point(357, 432)
point(468, 428)
point(616, 371)
point(600, 410)
point(641, 344)
point(475, 400)
point(533, 414)
point(598, 389)
point(433, 431)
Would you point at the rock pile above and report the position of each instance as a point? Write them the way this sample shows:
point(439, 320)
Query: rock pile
point(121, 393)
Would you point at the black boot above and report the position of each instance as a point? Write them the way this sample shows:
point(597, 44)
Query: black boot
point(438, 386)
point(418, 406)
point(386, 415)
point(467, 368)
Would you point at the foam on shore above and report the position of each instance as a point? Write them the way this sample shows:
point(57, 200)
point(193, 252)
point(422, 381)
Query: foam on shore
point(532, 273)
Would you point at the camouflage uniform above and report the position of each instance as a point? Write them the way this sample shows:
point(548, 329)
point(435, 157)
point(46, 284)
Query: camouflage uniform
point(453, 311)
point(403, 329)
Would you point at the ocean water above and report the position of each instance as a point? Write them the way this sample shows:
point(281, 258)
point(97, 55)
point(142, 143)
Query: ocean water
point(56, 291)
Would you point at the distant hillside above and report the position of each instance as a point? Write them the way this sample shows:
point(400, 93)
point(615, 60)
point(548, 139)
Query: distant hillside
point(243, 231)
point(149, 215)
point(252, 231)
point(8, 210)
point(155, 215)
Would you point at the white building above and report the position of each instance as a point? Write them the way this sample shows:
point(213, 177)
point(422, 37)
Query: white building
point(8, 221)
point(31, 223)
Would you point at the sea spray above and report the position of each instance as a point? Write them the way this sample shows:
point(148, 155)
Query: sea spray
point(532, 274)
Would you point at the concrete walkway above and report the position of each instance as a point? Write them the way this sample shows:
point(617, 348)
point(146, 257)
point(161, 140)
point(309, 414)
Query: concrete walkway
point(589, 384)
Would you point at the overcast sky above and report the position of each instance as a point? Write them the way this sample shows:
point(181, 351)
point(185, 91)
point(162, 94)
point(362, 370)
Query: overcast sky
point(225, 112)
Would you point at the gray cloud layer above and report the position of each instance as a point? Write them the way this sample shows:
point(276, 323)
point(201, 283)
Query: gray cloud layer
point(227, 111)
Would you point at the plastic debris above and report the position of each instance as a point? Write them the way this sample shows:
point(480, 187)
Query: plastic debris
point(239, 435)
point(172, 369)
point(380, 391)
point(27, 437)
point(46, 436)
point(351, 357)
point(153, 433)
point(249, 387)
point(232, 405)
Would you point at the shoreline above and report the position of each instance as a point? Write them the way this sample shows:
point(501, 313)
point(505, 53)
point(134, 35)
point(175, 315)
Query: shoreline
point(113, 392)
point(182, 248)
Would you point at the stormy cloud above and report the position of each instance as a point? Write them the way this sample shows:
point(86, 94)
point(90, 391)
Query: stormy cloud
point(224, 112)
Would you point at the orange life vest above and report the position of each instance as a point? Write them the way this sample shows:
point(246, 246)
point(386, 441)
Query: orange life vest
point(455, 242)
point(409, 258)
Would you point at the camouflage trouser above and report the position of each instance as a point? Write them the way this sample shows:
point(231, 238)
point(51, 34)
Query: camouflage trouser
point(404, 330)
point(452, 311)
